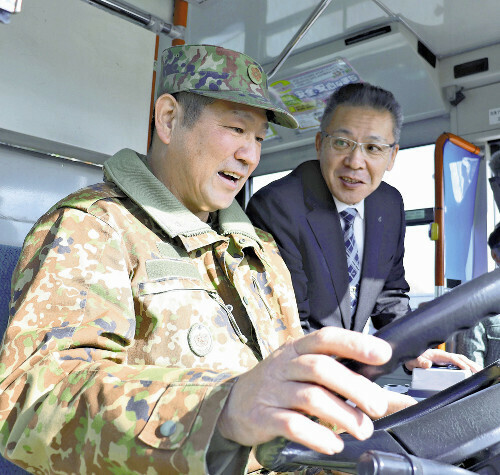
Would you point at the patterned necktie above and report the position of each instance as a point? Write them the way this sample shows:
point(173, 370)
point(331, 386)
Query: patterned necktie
point(351, 249)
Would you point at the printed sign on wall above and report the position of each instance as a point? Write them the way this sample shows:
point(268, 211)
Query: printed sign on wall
point(305, 94)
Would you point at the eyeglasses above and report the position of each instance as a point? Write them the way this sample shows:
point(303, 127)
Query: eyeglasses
point(371, 150)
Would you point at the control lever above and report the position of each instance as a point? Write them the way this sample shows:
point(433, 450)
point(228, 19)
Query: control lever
point(375, 462)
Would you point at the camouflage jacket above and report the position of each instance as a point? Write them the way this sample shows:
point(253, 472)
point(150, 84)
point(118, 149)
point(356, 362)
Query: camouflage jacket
point(481, 343)
point(130, 319)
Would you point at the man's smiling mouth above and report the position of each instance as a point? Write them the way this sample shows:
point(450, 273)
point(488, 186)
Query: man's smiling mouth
point(350, 180)
point(230, 175)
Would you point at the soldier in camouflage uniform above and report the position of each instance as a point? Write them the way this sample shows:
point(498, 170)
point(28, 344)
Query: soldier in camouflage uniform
point(153, 329)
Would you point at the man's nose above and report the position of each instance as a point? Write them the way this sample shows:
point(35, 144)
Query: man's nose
point(355, 158)
point(249, 152)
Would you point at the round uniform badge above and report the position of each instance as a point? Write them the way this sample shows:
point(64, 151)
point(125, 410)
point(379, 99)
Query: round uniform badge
point(255, 74)
point(200, 339)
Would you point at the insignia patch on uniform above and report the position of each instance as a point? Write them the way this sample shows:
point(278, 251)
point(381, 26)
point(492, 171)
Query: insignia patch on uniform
point(255, 74)
point(200, 339)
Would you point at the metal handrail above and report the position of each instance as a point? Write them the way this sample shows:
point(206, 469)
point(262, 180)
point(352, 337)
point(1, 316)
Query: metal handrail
point(298, 36)
point(135, 15)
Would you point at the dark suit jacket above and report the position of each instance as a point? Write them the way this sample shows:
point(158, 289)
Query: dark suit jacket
point(299, 211)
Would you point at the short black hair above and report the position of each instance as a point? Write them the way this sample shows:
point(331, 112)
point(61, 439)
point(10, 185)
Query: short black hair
point(494, 239)
point(495, 163)
point(363, 94)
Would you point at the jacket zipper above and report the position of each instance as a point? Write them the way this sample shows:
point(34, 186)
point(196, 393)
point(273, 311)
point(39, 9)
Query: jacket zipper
point(229, 311)
point(272, 314)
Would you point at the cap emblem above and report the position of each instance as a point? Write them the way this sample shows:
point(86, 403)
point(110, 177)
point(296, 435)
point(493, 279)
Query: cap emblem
point(255, 74)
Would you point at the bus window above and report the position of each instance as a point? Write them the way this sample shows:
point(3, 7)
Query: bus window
point(413, 176)
point(259, 182)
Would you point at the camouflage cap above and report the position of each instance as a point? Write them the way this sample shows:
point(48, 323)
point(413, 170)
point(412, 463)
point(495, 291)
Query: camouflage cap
point(220, 73)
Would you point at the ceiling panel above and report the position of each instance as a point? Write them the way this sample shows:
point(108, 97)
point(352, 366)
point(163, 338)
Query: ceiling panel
point(262, 28)
point(451, 26)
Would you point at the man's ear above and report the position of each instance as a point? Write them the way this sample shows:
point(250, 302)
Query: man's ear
point(167, 112)
point(318, 142)
point(393, 158)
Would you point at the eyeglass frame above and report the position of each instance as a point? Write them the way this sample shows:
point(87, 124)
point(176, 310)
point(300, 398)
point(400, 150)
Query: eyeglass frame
point(360, 144)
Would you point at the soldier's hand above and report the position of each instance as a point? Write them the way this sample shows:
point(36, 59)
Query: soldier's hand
point(299, 379)
point(398, 402)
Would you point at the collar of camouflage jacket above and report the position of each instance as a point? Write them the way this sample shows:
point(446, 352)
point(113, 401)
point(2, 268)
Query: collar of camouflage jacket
point(134, 178)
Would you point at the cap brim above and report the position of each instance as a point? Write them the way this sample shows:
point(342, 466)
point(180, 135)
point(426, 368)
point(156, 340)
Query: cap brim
point(277, 115)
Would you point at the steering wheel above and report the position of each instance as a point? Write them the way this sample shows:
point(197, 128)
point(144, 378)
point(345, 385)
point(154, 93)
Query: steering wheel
point(429, 325)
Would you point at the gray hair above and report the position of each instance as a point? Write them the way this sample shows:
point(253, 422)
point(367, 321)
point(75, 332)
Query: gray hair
point(363, 94)
point(192, 105)
point(495, 163)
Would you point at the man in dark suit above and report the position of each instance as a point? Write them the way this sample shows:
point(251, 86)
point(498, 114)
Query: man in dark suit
point(346, 270)
point(356, 144)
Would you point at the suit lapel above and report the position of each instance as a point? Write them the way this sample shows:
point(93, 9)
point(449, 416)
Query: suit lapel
point(325, 225)
point(374, 231)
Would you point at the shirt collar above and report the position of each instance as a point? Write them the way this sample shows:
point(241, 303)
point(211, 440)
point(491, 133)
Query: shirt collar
point(360, 207)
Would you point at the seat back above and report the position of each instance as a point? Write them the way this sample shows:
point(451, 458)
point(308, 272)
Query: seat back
point(8, 260)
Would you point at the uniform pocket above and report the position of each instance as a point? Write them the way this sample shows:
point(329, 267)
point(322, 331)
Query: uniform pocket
point(173, 417)
point(178, 321)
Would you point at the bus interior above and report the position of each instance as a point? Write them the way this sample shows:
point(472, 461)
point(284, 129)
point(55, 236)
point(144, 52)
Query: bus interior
point(78, 79)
